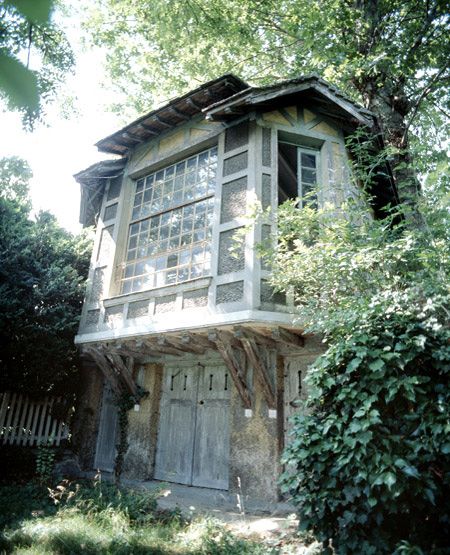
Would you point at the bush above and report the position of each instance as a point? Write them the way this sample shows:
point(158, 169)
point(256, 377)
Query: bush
point(370, 465)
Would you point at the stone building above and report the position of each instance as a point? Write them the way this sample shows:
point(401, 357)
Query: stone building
point(178, 303)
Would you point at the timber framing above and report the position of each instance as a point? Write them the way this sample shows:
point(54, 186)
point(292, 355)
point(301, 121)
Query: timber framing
point(239, 347)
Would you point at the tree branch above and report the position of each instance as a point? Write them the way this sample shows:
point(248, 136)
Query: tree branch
point(426, 90)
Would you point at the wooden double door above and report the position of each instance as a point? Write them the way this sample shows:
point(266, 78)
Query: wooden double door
point(193, 436)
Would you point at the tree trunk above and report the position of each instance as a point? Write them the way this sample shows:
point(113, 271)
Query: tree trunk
point(384, 94)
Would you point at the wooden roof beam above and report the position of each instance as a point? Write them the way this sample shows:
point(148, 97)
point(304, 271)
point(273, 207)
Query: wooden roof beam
point(193, 104)
point(225, 335)
point(179, 113)
point(132, 137)
point(162, 122)
point(148, 129)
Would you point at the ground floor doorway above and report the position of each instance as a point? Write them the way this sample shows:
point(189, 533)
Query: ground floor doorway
point(193, 435)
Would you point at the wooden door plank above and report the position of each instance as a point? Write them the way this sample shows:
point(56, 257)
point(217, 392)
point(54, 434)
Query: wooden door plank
point(174, 454)
point(211, 447)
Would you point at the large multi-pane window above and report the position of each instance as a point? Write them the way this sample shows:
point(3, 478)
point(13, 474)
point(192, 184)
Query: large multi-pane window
point(170, 232)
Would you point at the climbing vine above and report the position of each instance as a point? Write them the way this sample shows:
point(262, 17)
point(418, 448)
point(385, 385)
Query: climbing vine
point(125, 403)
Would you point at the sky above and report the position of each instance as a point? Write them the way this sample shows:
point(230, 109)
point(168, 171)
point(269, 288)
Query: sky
point(63, 147)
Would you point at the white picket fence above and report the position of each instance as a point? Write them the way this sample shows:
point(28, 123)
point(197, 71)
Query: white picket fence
point(25, 421)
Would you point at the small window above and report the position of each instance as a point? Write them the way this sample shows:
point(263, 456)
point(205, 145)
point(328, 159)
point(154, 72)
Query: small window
point(297, 174)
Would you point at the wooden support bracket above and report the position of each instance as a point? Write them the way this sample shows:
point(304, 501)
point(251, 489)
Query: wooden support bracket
point(185, 347)
point(261, 370)
point(288, 337)
point(103, 364)
point(234, 366)
point(161, 346)
point(125, 374)
point(257, 336)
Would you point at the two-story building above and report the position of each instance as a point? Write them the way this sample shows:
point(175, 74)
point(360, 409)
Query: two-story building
point(178, 300)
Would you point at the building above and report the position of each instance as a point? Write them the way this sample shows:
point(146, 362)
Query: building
point(178, 303)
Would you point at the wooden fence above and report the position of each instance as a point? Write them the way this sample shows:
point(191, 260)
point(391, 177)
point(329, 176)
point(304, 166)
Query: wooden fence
point(25, 421)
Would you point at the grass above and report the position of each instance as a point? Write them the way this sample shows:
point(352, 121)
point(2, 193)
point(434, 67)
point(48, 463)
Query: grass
point(100, 519)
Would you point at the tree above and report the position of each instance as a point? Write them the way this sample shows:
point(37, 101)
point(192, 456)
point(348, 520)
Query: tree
point(368, 464)
point(391, 55)
point(42, 274)
point(28, 33)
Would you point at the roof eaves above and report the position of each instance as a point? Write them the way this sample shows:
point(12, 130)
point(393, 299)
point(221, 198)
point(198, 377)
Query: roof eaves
point(103, 169)
point(252, 95)
point(105, 143)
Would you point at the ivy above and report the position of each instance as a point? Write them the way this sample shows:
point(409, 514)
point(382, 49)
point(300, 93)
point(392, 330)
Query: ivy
point(125, 403)
point(368, 463)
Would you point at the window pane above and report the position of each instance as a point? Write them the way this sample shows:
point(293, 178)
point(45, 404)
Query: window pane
point(308, 160)
point(308, 176)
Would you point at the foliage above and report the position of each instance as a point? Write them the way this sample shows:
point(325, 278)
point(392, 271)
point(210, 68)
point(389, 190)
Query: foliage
point(125, 403)
point(45, 462)
point(369, 460)
point(27, 31)
point(100, 518)
point(388, 52)
point(42, 274)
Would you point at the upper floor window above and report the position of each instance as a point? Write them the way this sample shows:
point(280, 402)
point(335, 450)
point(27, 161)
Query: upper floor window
point(298, 167)
point(170, 231)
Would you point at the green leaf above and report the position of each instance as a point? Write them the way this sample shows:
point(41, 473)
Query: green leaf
point(353, 364)
point(376, 364)
point(18, 83)
point(37, 11)
point(410, 470)
point(389, 479)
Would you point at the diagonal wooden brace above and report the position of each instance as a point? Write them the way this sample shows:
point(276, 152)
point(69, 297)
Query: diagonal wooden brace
point(261, 370)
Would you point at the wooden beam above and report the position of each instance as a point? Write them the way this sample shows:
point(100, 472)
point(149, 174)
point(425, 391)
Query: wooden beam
point(257, 336)
point(288, 337)
point(234, 366)
point(126, 350)
point(132, 137)
point(193, 104)
point(155, 347)
point(260, 369)
point(126, 375)
point(179, 113)
point(226, 336)
point(105, 367)
point(148, 129)
point(178, 343)
point(199, 339)
point(162, 122)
